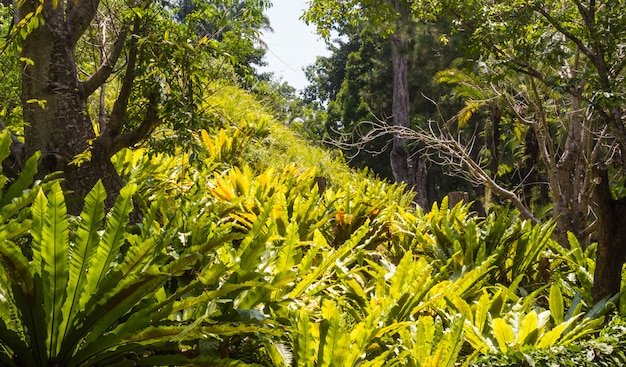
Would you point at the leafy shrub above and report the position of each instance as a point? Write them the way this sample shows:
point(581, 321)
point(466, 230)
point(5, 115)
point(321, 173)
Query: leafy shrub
point(359, 266)
point(464, 240)
point(573, 268)
point(607, 350)
point(91, 290)
point(289, 271)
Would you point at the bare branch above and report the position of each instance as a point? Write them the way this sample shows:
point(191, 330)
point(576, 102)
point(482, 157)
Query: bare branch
point(441, 147)
point(118, 114)
point(150, 121)
point(106, 68)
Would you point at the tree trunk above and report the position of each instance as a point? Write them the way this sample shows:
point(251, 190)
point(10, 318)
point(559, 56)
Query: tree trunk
point(406, 165)
point(611, 235)
point(54, 103)
point(455, 197)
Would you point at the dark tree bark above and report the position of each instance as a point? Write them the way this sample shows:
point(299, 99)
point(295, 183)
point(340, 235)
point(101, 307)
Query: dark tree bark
point(54, 100)
point(456, 197)
point(406, 165)
point(611, 235)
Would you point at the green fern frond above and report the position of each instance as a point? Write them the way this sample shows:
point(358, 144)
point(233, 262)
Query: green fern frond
point(182, 360)
point(289, 251)
point(27, 293)
point(14, 344)
point(55, 255)
point(334, 344)
point(82, 251)
point(24, 180)
point(117, 301)
point(450, 76)
point(451, 344)
point(5, 144)
point(109, 245)
point(303, 340)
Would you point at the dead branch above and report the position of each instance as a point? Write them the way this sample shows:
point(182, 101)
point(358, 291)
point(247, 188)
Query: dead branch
point(440, 146)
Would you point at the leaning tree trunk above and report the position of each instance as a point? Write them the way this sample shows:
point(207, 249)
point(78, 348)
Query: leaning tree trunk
point(54, 104)
point(406, 165)
point(611, 235)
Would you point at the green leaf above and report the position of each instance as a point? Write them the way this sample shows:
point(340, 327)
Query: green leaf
point(304, 341)
point(55, 256)
point(253, 244)
point(551, 337)
point(482, 312)
point(84, 247)
point(451, 344)
point(403, 276)
point(310, 276)
point(139, 255)
point(5, 144)
point(13, 341)
point(334, 344)
point(112, 345)
point(178, 302)
point(114, 304)
point(25, 284)
point(528, 329)
point(38, 211)
point(575, 307)
point(503, 333)
point(181, 360)
point(424, 338)
point(556, 304)
point(289, 250)
point(24, 180)
point(14, 208)
point(110, 243)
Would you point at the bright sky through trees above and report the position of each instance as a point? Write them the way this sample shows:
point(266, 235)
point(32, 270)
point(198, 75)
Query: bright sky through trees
point(293, 45)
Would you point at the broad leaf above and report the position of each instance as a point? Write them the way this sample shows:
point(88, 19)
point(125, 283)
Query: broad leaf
point(84, 247)
point(304, 341)
point(55, 254)
point(24, 180)
point(556, 304)
point(108, 248)
point(503, 333)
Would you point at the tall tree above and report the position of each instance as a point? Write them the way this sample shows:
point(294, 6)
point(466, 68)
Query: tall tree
point(395, 19)
point(153, 62)
point(326, 75)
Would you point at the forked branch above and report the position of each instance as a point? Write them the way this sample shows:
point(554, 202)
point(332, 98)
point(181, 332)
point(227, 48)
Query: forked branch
point(441, 147)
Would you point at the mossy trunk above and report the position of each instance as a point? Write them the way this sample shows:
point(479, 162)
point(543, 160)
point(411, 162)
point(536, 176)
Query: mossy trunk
point(54, 103)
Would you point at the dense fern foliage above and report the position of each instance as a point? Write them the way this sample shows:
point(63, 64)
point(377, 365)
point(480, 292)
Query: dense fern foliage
point(608, 349)
point(256, 248)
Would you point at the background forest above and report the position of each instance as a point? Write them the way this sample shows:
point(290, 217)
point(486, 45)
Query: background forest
point(166, 204)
